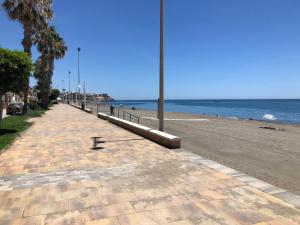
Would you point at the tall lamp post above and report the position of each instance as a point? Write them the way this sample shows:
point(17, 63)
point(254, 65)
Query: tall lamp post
point(69, 96)
point(62, 89)
point(161, 69)
point(73, 92)
point(84, 93)
point(78, 50)
point(76, 96)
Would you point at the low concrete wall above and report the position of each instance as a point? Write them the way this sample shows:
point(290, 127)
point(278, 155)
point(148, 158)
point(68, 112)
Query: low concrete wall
point(88, 110)
point(162, 138)
point(133, 127)
point(76, 106)
point(165, 139)
point(102, 116)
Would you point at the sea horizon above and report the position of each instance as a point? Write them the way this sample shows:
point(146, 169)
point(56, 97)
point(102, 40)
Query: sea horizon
point(271, 110)
point(179, 99)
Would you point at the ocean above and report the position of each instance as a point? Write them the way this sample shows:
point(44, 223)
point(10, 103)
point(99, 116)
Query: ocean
point(282, 111)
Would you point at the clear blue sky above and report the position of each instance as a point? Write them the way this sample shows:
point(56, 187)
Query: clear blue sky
point(214, 48)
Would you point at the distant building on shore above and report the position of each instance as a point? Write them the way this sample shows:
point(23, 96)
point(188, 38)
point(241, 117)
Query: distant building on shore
point(99, 97)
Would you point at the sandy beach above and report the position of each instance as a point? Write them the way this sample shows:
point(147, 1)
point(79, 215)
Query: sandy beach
point(269, 155)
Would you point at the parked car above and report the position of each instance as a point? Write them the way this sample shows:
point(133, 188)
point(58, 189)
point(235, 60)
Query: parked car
point(14, 108)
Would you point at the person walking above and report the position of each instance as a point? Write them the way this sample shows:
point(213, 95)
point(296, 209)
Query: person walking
point(112, 110)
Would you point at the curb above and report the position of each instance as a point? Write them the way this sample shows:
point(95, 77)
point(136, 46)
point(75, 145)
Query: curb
point(279, 193)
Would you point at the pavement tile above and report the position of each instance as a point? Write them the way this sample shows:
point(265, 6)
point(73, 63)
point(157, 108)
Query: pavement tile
point(182, 222)
point(177, 213)
point(10, 222)
point(46, 208)
point(65, 218)
point(35, 220)
point(108, 221)
point(11, 214)
point(81, 203)
point(277, 222)
point(163, 202)
point(137, 218)
point(86, 214)
point(112, 210)
point(237, 213)
point(212, 195)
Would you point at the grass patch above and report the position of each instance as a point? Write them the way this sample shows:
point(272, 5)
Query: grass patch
point(12, 126)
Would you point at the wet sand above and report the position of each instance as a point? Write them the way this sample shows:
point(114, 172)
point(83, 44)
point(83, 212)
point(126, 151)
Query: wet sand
point(269, 155)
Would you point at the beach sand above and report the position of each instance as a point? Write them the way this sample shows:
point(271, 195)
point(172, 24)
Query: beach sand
point(269, 155)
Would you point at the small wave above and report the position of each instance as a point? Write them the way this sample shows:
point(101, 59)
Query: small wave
point(269, 117)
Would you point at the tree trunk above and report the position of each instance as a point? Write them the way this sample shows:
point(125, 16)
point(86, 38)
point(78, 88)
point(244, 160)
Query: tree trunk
point(44, 84)
point(45, 99)
point(1, 109)
point(43, 90)
point(46, 92)
point(48, 80)
point(27, 44)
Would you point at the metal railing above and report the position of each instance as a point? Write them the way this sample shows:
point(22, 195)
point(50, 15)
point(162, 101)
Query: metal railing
point(103, 109)
point(117, 112)
point(122, 114)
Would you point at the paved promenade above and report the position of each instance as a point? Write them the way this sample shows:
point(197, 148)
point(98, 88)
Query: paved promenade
point(52, 176)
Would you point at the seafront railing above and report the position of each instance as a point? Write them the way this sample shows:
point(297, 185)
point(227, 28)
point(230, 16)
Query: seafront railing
point(122, 114)
point(117, 112)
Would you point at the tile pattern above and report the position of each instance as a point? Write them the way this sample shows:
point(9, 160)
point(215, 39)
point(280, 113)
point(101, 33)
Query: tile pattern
point(51, 175)
point(43, 179)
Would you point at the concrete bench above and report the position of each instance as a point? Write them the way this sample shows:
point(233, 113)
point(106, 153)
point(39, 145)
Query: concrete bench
point(88, 110)
point(162, 138)
point(102, 116)
point(76, 106)
point(133, 127)
point(165, 139)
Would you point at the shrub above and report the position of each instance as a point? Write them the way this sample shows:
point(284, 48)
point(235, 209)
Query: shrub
point(33, 105)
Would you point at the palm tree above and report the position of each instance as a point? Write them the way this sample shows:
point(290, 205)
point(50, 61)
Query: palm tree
point(51, 46)
point(33, 15)
point(41, 74)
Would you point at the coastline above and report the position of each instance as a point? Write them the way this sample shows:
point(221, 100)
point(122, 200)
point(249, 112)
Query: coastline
point(245, 145)
point(187, 114)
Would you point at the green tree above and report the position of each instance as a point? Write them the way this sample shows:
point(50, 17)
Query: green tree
point(54, 94)
point(15, 69)
point(51, 46)
point(33, 15)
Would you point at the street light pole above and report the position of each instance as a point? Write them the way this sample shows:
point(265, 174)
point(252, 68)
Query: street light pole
point(84, 93)
point(76, 95)
point(161, 69)
point(62, 89)
point(78, 49)
point(74, 92)
point(69, 96)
